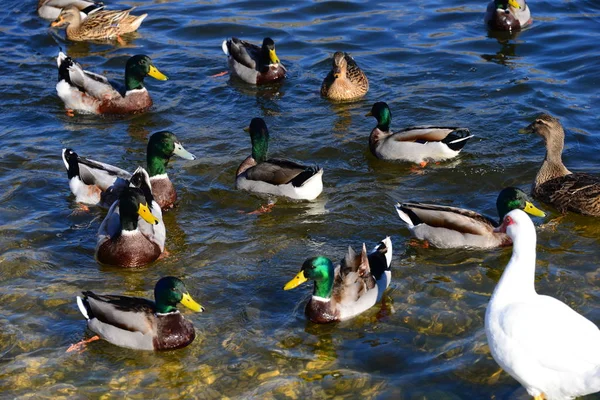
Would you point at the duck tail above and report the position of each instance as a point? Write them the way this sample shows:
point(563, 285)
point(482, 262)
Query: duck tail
point(71, 161)
point(82, 307)
point(457, 139)
point(306, 175)
point(225, 46)
point(137, 21)
point(403, 213)
point(64, 63)
point(384, 248)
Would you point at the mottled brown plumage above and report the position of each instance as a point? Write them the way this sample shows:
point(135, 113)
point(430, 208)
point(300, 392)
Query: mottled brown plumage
point(554, 183)
point(345, 81)
point(164, 192)
point(100, 25)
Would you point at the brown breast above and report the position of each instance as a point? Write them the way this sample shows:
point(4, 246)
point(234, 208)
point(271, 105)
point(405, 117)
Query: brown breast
point(128, 251)
point(134, 103)
point(173, 332)
point(321, 312)
point(164, 193)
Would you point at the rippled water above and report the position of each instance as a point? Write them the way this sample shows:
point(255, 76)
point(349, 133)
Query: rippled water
point(432, 62)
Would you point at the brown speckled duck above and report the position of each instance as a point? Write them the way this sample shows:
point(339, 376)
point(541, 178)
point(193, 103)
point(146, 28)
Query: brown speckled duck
point(122, 239)
point(345, 81)
point(554, 183)
point(142, 324)
point(101, 25)
point(88, 92)
point(253, 64)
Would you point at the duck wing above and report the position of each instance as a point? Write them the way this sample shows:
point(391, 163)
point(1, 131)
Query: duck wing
point(424, 134)
point(281, 172)
point(578, 192)
point(457, 219)
point(133, 314)
point(355, 277)
point(88, 82)
point(100, 174)
point(243, 52)
point(354, 73)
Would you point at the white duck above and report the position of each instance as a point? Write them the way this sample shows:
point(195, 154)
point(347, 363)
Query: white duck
point(553, 351)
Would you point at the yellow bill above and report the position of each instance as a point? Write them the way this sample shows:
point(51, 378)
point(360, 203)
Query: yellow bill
point(273, 56)
point(369, 114)
point(298, 280)
point(247, 129)
point(533, 210)
point(146, 215)
point(156, 74)
point(57, 22)
point(514, 4)
point(190, 303)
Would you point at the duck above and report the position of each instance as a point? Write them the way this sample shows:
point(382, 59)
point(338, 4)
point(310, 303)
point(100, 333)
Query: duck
point(91, 93)
point(345, 81)
point(50, 9)
point(416, 144)
point(349, 289)
point(276, 176)
point(141, 324)
point(96, 183)
point(548, 347)
point(508, 15)
point(554, 184)
point(124, 241)
point(100, 25)
point(450, 227)
point(253, 64)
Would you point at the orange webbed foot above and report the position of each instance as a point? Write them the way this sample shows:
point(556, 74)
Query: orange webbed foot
point(219, 74)
point(80, 347)
point(263, 209)
point(70, 113)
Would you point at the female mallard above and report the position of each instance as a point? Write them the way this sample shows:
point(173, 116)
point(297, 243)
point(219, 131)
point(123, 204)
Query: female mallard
point(138, 323)
point(123, 240)
point(449, 227)
point(276, 176)
point(548, 347)
point(100, 25)
point(554, 183)
point(50, 9)
point(349, 289)
point(93, 182)
point(253, 64)
point(92, 93)
point(345, 81)
point(508, 15)
point(416, 144)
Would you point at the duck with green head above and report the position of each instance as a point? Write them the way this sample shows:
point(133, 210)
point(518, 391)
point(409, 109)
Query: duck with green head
point(142, 324)
point(88, 92)
point(450, 227)
point(279, 177)
point(416, 144)
point(121, 241)
point(254, 64)
point(97, 183)
point(354, 286)
point(508, 15)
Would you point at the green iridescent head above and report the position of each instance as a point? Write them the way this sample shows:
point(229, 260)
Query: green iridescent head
point(382, 114)
point(137, 68)
point(161, 147)
point(319, 269)
point(133, 203)
point(511, 198)
point(259, 135)
point(169, 291)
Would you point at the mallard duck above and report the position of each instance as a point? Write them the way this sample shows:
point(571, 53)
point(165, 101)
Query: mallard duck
point(100, 25)
point(92, 93)
point(97, 183)
point(548, 347)
point(345, 81)
point(415, 144)
point(349, 289)
point(448, 227)
point(50, 9)
point(142, 324)
point(508, 15)
point(253, 64)
point(122, 240)
point(276, 176)
point(554, 184)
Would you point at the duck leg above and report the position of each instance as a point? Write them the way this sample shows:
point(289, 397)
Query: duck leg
point(70, 113)
point(219, 74)
point(263, 209)
point(540, 397)
point(80, 347)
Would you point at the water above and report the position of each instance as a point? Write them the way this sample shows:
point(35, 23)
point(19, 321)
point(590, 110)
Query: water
point(432, 62)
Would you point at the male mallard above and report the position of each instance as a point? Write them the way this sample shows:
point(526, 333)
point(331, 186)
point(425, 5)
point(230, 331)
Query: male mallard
point(415, 144)
point(92, 93)
point(554, 183)
point(345, 81)
point(93, 182)
point(100, 25)
point(276, 176)
point(508, 15)
point(548, 347)
point(253, 64)
point(121, 240)
point(142, 324)
point(449, 227)
point(50, 9)
point(349, 289)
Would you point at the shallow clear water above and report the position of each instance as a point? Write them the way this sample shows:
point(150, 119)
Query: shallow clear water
point(432, 62)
